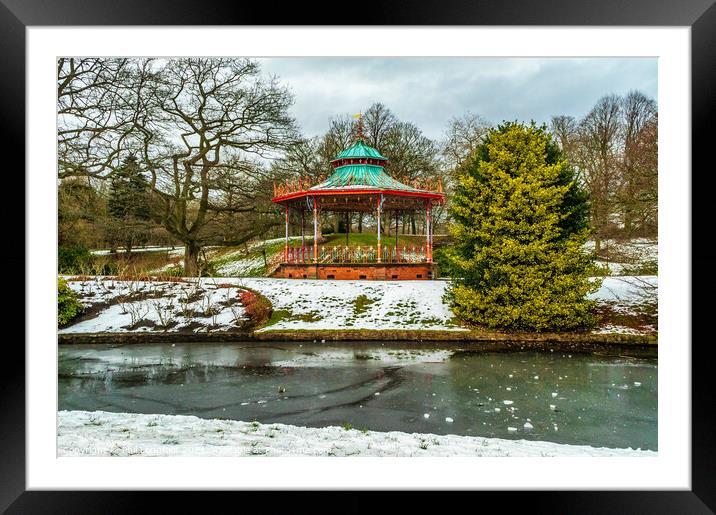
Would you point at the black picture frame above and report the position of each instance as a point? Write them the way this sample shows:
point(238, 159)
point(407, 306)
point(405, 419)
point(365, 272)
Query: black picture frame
point(700, 15)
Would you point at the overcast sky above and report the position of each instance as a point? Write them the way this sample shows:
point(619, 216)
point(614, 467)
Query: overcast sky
point(430, 91)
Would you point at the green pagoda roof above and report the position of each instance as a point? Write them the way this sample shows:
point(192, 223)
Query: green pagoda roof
point(356, 178)
point(361, 176)
point(360, 149)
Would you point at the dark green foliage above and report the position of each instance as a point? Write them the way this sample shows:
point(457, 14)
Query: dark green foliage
point(73, 259)
point(520, 223)
point(80, 214)
point(68, 307)
point(128, 194)
point(445, 264)
point(128, 206)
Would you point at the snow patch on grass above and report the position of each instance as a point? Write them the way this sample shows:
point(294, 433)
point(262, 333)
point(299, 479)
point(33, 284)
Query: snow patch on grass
point(332, 304)
point(173, 251)
point(627, 257)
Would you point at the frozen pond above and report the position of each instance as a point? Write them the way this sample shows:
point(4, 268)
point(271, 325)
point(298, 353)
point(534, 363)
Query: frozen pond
point(553, 396)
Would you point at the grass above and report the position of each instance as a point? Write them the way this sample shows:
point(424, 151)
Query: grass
point(361, 303)
point(278, 315)
point(474, 335)
point(644, 317)
point(150, 262)
point(371, 239)
point(224, 256)
point(281, 315)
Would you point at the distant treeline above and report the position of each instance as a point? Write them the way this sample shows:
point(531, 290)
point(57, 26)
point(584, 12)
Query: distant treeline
point(185, 151)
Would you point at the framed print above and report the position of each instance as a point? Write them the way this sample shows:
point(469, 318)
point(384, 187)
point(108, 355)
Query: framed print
point(419, 251)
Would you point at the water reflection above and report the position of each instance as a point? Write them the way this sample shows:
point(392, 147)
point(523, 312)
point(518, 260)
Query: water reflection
point(560, 397)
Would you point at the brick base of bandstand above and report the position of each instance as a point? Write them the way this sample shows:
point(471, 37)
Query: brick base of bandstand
point(357, 271)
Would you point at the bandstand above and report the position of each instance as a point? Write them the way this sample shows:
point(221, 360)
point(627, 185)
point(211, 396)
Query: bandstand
point(358, 184)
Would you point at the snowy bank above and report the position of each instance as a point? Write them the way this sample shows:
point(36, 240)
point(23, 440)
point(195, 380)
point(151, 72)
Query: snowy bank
point(332, 304)
point(628, 290)
point(101, 433)
point(114, 306)
point(212, 304)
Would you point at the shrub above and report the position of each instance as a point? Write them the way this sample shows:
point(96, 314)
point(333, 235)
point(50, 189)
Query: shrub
point(441, 256)
point(68, 307)
point(520, 223)
point(73, 259)
point(173, 271)
point(257, 307)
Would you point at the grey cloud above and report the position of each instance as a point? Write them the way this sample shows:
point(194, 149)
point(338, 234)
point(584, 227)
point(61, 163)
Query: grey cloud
point(430, 91)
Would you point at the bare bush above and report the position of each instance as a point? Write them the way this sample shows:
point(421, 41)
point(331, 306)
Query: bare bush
point(137, 311)
point(164, 311)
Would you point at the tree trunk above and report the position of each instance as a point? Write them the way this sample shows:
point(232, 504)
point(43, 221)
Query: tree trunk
point(191, 259)
point(412, 223)
point(360, 222)
point(348, 227)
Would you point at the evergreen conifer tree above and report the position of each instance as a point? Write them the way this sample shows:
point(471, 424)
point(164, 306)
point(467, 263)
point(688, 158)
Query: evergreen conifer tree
point(128, 203)
point(520, 220)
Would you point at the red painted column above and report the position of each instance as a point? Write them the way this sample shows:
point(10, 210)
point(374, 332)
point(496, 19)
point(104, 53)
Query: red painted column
point(429, 236)
point(303, 232)
point(378, 256)
point(285, 247)
point(315, 230)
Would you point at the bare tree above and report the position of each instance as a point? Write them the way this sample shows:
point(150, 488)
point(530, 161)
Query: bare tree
point(598, 160)
point(199, 125)
point(637, 193)
point(100, 104)
point(378, 121)
point(462, 138)
point(566, 132)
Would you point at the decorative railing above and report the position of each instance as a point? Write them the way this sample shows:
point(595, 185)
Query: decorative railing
point(303, 184)
point(358, 254)
point(300, 184)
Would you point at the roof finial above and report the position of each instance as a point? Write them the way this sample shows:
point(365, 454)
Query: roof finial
point(359, 131)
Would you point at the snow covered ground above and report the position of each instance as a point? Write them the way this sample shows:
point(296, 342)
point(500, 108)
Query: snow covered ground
point(627, 291)
point(240, 267)
point(331, 304)
point(101, 433)
point(123, 306)
point(627, 257)
point(634, 297)
point(212, 304)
